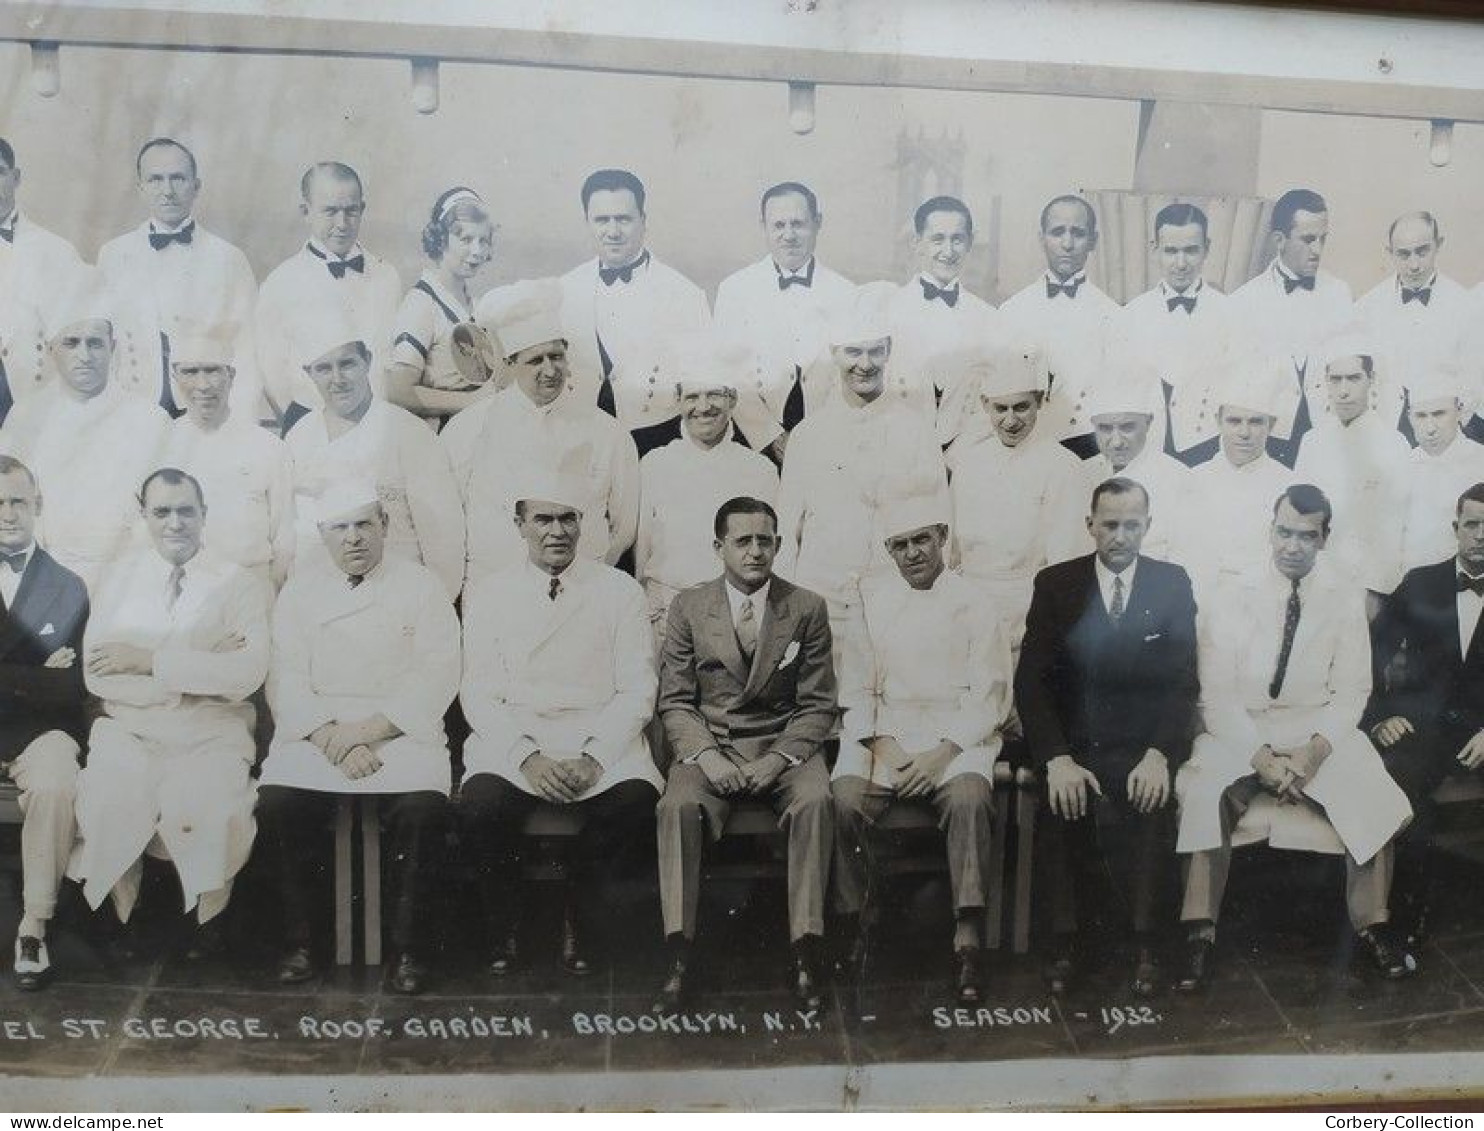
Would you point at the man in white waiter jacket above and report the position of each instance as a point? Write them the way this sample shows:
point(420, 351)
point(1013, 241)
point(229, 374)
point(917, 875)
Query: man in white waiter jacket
point(243, 468)
point(365, 663)
point(781, 308)
point(332, 276)
point(620, 309)
point(177, 643)
point(170, 276)
point(559, 686)
point(1444, 464)
point(1285, 664)
point(87, 440)
point(537, 422)
point(1067, 316)
point(36, 268)
point(358, 436)
point(925, 684)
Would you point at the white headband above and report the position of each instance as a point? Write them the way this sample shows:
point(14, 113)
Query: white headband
point(452, 197)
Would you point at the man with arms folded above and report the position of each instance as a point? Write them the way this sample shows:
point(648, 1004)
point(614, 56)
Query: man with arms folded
point(1285, 672)
point(747, 699)
point(925, 683)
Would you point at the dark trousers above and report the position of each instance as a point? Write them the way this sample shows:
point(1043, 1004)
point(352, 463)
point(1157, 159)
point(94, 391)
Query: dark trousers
point(617, 840)
point(1114, 865)
point(1418, 764)
point(298, 822)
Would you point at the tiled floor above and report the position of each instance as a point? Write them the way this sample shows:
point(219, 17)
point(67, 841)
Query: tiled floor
point(1284, 986)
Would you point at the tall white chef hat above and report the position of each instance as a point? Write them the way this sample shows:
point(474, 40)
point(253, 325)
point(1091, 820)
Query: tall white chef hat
point(1248, 379)
point(1009, 369)
point(1440, 381)
point(82, 297)
point(902, 514)
point(703, 359)
point(866, 317)
point(1354, 341)
point(566, 483)
point(200, 347)
point(522, 315)
point(326, 331)
point(344, 497)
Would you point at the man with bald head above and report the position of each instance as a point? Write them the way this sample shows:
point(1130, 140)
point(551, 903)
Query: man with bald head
point(331, 274)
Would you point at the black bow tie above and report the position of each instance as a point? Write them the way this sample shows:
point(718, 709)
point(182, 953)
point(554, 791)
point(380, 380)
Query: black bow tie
point(16, 561)
point(8, 234)
point(161, 240)
point(1054, 288)
point(1304, 283)
point(611, 275)
point(1467, 582)
point(1180, 302)
point(1420, 294)
point(354, 579)
point(930, 291)
point(786, 281)
point(338, 267)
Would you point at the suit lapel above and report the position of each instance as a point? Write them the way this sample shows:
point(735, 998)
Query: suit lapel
point(723, 633)
point(572, 600)
point(26, 617)
point(778, 630)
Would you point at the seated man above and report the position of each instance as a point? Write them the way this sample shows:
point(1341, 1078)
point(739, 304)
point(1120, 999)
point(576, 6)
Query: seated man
point(1427, 717)
point(177, 643)
point(1106, 690)
point(747, 698)
point(925, 683)
point(1285, 671)
point(558, 689)
point(43, 708)
point(365, 662)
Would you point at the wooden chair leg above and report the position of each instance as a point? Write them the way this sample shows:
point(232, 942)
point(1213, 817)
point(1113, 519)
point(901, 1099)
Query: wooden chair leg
point(344, 882)
point(1027, 800)
point(994, 914)
point(371, 878)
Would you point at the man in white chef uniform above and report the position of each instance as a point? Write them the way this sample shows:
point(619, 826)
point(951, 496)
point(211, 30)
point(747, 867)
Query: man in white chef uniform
point(177, 643)
point(357, 436)
point(1018, 498)
point(845, 460)
point(781, 308)
point(559, 686)
point(171, 276)
point(537, 422)
point(1285, 663)
point(88, 441)
point(684, 483)
point(243, 468)
point(926, 688)
point(1444, 464)
point(365, 662)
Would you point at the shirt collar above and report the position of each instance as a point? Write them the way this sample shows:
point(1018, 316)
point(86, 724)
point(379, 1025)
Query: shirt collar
point(735, 597)
point(29, 550)
point(540, 578)
point(1105, 576)
point(1459, 567)
point(1278, 583)
point(804, 272)
point(322, 252)
point(924, 277)
point(1192, 291)
point(1427, 286)
point(156, 226)
point(1079, 279)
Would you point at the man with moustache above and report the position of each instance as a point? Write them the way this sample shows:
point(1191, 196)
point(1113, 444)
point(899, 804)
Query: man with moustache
point(937, 324)
point(621, 309)
point(43, 709)
point(36, 268)
point(925, 685)
point(747, 699)
point(1016, 492)
point(357, 436)
point(331, 276)
point(88, 441)
point(780, 308)
point(1444, 464)
point(1106, 689)
point(1065, 314)
point(1285, 671)
point(558, 688)
point(1292, 308)
point(683, 483)
point(244, 468)
point(537, 422)
point(170, 276)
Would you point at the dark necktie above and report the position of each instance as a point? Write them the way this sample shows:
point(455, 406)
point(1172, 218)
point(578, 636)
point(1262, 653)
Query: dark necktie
point(1476, 584)
point(1416, 294)
point(555, 588)
point(16, 561)
point(8, 234)
point(806, 280)
point(930, 291)
point(1054, 288)
point(1115, 608)
point(793, 408)
point(161, 240)
point(747, 630)
point(1306, 283)
point(606, 401)
point(611, 275)
point(354, 579)
point(174, 586)
point(1180, 302)
point(1290, 627)
point(167, 392)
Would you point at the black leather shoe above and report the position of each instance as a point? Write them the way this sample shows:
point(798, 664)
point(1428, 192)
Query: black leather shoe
point(33, 966)
point(1387, 957)
point(574, 962)
point(968, 979)
point(804, 981)
point(1061, 973)
point(506, 959)
point(296, 966)
point(1145, 982)
point(673, 993)
point(1195, 966)
point(409, 976)
point(208, 941)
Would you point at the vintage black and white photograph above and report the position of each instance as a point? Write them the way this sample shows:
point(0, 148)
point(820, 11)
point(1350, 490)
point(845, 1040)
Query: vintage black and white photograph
point(766, 554)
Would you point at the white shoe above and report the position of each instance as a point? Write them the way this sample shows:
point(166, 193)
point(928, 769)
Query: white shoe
point(33, 965)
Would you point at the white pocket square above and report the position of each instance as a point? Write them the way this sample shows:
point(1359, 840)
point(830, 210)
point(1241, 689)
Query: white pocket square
point(1153, 636)
point(789, 654)
point(48, 629)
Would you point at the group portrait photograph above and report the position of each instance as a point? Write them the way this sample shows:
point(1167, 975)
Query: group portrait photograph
point(793, 554)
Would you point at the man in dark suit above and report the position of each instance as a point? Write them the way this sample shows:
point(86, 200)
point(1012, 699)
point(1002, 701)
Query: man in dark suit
point(747, 699)
point(1107, 690)
point(1426, 715)
point(43, 716)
